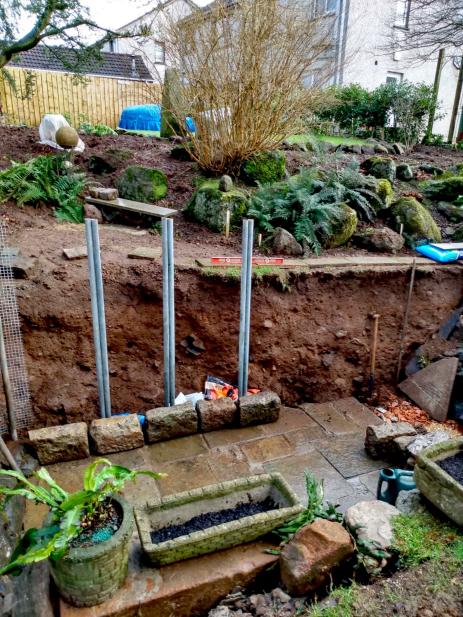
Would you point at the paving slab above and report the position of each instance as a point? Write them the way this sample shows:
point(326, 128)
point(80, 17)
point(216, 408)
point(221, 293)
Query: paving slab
point(266, 449)
point(292, 468)
point(347, 455)
point(186, 474)
point(291, 418)
point(305, 440)
point(326, 415)
point(370, 480)
point(230, 463)
point(145, 252)
point(185, 589)
point(175, 449)
point(233, 435)
point(353, 410)
point(75, 252)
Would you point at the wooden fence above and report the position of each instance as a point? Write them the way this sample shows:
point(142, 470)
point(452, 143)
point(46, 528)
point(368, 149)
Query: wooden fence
point(94, 99)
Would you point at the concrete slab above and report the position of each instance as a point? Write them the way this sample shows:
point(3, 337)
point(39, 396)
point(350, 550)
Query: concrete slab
point(431, 388)
point(326, 415)
point(75, 252)
point(186, 589)
point(144, 252)
point(347, 455)
point(353, 410)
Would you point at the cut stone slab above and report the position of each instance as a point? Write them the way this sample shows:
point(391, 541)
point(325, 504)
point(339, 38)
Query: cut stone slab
point(56, 444)
point(308, 560)
point(259, 408)
point(379, 439)
point(326, 415)
point(175, 449)
point(186, 589)
point(425, 441)
point(371, 521)
point(106, 194)
point(75, 252)
point(347, 455)
point(431, 388)
point(216, 415)
point(116, 434)
point(170, 422)
point(145, 253)
point(353, 410)
point(267, 449)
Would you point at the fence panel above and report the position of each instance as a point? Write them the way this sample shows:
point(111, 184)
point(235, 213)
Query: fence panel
point(93, 99)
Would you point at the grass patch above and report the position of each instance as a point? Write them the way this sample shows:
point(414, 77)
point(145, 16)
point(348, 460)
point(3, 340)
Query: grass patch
point(331, 139)
point(144, 133)
point(422, 537)
point(345, 598)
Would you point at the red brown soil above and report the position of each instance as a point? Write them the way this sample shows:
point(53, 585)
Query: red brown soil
point(310, 336)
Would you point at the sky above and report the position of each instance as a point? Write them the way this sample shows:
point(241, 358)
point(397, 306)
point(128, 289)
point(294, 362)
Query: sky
point(116, 13)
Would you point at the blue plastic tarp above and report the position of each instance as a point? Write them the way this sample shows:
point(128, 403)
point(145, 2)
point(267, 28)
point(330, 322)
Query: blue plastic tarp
point(440, 255)
point(146, 118)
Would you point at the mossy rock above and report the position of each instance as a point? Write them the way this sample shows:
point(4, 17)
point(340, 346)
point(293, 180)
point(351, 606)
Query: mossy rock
point(181, 153)
point(209, 206)
point(444, 190)
point(417, 220)
point(451, 212)
point(385, 192)
point(458, 234)
point(344, 229)
point(142, 184)
point(380, 167)
point(264, 168)
point(109, 161)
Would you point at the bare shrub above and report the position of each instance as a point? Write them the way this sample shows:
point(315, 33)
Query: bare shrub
point(244, 66)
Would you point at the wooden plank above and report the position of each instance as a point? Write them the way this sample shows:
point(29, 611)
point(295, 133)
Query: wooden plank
point(144, 252)
point(128, 205)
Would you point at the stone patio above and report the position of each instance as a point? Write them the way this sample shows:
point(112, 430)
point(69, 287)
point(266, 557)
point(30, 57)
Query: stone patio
point(326, 439)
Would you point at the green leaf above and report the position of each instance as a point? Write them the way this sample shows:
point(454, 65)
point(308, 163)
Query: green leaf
point(89, 475)
point(56, 490)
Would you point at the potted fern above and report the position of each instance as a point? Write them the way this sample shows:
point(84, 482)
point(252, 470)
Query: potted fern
point(86, 535)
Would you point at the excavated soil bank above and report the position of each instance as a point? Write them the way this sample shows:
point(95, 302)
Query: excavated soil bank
point(310, 337)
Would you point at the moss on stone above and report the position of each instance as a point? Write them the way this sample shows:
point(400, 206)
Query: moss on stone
point(209, 206)
point(417, 220)
point(264, 168)
point(380, 167)
point(458, 233)
point(344, 229)
point(142, 184)
point(385, 192)
point(446, 190)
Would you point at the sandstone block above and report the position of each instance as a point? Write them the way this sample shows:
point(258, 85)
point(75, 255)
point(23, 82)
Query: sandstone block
point(379, 440)
point(170, 422)
point(372, 521)
point(259, 408)
point(216, 415)
point(99, 192)
point(116, 434)
point(56, 444)
point(307, 561)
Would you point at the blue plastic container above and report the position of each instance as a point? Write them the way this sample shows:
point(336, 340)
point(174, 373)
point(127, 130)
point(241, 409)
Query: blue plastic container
point(141, 118)
point(440, 255)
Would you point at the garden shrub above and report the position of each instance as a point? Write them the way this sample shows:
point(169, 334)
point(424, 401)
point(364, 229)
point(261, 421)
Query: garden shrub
point(45, 180)
point(209, 205)
point(264, 168)
point(96, 129)
point(142, 184)
point(446, 190)
point(417, 220)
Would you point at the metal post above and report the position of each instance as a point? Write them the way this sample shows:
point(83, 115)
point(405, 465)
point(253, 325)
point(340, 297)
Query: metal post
point(170, 240)
point(101, 316)
point(166, 313)
point(10, 407)
point(245, 306)
point(244, 263)
point(8, 456)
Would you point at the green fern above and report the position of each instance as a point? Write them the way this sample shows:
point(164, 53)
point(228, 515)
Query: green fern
point(44, 180)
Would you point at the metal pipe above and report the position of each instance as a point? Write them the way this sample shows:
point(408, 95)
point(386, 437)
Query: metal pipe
point(248, 304)
point(95, 317)
point(10, 407)
point(165, 313)
point(170, 240)
point(9, 457)
point(101, 317)
point(242, 334)
point(406, 318)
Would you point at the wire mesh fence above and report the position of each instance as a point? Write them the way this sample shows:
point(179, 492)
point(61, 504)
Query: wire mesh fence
point(9, 316)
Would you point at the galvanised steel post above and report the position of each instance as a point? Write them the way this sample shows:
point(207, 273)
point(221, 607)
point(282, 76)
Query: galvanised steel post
point(170, 240)
point(245, 306)
point(166, 313)
point(248, 305)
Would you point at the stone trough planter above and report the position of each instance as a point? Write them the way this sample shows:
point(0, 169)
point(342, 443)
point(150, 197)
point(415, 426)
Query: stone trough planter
point(181, 508)
point(436, 484)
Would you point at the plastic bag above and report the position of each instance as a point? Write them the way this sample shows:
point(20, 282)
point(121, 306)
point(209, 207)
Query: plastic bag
point(48, 128)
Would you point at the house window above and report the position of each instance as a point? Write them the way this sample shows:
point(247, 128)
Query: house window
point(113, 46)
point(394, 78)
point(402, 13)
point(323, 7)
point(159, 53)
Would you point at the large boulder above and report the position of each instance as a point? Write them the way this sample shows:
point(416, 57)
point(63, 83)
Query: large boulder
point(209, 206)
point(284, 243)
point(109, 161)
point(458, 233)
point(371, 521)
point(308, 560)
point(417, 220)
point(264, 168)
point(142, 184)
point(380, 167)
point(343, 229)
point(452, 212)
point(446, 190)
point(380, 239)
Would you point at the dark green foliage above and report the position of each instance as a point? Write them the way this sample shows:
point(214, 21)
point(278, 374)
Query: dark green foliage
point(316, 508)
point(142, 184)
point(172, 107)
point(44, 179)
point(101, 480)
point(182, 153)
point(264, 168)
point(96, 129)
point(446, 190)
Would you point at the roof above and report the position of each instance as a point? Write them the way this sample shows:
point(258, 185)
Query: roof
point(122, 66)
point(157, 9)
point(225, 3)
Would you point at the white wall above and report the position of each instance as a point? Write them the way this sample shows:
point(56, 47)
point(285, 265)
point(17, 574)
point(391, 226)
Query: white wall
point(368, 59)
point(157, 22)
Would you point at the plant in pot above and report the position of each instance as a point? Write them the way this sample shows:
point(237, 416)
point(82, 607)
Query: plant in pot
point(86, 535)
